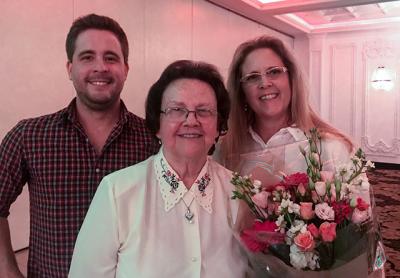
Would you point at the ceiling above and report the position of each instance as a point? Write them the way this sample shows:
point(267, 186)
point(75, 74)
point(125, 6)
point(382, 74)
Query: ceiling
point(295, 17)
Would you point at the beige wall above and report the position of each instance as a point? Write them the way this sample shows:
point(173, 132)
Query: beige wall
point(33, 74)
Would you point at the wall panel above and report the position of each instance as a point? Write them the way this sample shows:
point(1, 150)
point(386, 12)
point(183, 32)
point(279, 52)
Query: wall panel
point(342, 93)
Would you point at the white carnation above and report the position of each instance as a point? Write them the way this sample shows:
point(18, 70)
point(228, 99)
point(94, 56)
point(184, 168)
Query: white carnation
point(302, 260)
point(297, 226)
point(297, 258)
point(294, 208)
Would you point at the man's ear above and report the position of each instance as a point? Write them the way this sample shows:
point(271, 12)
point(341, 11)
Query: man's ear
point(126, 70)
point(69, 68)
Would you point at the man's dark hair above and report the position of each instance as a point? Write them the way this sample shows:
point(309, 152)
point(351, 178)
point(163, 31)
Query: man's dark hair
point(94, 21)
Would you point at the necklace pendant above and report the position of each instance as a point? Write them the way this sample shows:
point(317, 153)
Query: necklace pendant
point(189, 216)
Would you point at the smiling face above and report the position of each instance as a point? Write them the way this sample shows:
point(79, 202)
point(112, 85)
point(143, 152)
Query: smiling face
point(191, 138)
point(97, 70)
point(269, 99)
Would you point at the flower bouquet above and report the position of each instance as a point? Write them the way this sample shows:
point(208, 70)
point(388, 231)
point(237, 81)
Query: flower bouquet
point(318, 223)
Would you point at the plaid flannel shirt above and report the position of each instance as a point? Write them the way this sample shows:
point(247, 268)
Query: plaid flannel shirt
point(54, 156)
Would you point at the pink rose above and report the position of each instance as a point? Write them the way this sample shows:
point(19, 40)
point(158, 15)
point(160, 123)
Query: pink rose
point(314, 196)
point(333, 193)
point(261, 199)
point(328, 231)
point(306, 211)
point(327, 175)
point(320, 188)
point(359, 216)
point(313, 230)
point(301, 189)
point(325, 212)
point(304, 241)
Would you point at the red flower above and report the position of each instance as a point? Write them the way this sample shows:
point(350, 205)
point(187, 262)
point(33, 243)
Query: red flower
point(266, 226)
point(342, 211)
point(295, 180)
point(313, 230)
point(251, 243)
point(361, 204)
point(261, 235)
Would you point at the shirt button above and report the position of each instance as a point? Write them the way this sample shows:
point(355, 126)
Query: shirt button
point(97, 170)
point(194, 259)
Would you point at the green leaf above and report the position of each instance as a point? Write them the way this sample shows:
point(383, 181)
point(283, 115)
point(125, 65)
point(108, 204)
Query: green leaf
point(350, 242)
point(326, 255)
point(281, 251)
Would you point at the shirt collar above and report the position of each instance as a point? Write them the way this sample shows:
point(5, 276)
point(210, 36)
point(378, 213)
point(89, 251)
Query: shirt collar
point(69, 113)
point(173, 189)
point(291, 133)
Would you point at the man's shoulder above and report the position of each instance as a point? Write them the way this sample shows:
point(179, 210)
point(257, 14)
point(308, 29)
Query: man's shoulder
point(39, 123)
point(137, 127)
point(135, 120)
point(43, 120)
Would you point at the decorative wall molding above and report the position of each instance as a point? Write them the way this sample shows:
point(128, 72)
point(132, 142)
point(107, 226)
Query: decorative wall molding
point(315, 77)
point(351, 65)
point(377, 52)
point(381, 148)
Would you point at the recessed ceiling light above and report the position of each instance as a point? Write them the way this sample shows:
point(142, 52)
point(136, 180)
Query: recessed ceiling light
point(268, 1)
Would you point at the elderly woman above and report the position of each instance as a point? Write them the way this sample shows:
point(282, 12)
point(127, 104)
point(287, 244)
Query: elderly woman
point(171, 215)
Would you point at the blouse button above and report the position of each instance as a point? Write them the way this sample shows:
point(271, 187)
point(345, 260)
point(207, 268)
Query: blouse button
point(97, 170)
point(194, 259)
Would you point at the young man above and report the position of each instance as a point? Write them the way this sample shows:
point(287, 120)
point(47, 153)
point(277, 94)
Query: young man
point(63, 156)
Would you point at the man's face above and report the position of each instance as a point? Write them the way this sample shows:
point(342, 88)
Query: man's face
point(97, 70)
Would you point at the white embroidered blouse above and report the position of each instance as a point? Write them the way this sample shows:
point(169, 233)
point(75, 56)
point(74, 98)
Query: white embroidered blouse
point(136, 225)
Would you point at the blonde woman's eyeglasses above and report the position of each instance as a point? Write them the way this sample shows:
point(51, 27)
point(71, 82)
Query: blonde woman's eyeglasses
point(271, 74)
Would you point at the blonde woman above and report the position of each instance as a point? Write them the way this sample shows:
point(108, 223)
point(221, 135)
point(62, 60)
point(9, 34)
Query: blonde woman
point(270, 104)
point(270, 114)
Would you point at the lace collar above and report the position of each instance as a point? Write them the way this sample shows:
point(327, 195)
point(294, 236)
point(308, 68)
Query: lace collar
point(173, 189)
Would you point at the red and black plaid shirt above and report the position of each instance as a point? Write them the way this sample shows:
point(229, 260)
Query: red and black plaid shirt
point(53, 155)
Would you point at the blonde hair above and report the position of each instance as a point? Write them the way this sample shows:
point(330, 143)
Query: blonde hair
point(242, 117)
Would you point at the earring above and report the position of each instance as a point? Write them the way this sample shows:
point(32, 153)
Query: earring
point(246, 108)
point(159, 142)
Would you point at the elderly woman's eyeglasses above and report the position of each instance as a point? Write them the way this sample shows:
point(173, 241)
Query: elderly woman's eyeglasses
point(180, 114)
point(256, 77)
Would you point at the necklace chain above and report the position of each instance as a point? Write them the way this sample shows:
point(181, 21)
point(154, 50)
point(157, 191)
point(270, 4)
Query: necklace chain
point(188, 214)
